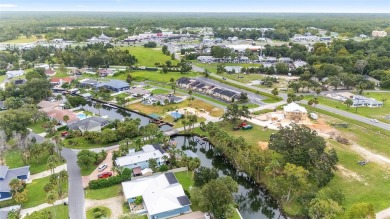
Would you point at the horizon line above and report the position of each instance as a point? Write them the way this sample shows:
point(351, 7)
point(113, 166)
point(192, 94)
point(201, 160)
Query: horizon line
point(219, 12)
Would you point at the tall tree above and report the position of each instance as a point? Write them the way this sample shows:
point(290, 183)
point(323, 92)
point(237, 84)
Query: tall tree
point(234, 112)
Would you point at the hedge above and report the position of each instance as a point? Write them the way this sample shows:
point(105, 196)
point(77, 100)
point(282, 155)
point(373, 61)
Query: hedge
point(103, 183)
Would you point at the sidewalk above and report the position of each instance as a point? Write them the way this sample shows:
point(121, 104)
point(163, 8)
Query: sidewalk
point(385, 214)
point(26, 211)
point(47, 172)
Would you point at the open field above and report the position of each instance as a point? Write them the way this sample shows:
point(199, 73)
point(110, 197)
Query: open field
point(36, 194)
point(375, 113)
point(212, 67)
point(37, 127)
point(13, 159)
point(154, 76)
point(82, 143)
point(104, 193)
point(60, 211)
point(23, 39)
point(163, 109)
point(148, 56)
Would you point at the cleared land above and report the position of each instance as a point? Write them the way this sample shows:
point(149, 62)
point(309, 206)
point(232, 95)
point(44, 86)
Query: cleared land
point(23, 39)
point(148, 56)
point(154, 76)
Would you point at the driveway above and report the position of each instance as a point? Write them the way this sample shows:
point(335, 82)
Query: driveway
point(76, 191)
point(114, 204)
point(95, 173)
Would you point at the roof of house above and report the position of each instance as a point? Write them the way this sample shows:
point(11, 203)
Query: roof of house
point(184, 80)
point(88, 123)
point(9, 174)
point(58, 80)
point(148, 152)
point(117, 84)
point(228, 93)
point(48, 104)
point(160, 193)
point(59, 115)
point(50, 71)
point(138, 91)
point(105, 71)
point(293, 107)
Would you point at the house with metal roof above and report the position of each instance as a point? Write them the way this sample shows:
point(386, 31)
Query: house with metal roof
point(163, 196)
point(141, 158)
point(6, 175)
point(114, 85)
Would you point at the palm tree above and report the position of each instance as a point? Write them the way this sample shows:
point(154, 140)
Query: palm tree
point(138, 143)
point(98, 106)
point(59, 97)
point(193, 165)
point(51, 199)
point(66, 119)
point(52, 162)
point(63, 176)
point(190, 99)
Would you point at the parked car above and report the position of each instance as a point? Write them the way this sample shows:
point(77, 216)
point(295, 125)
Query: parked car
point(224, 78)
point(105, 175)
point(102, 167)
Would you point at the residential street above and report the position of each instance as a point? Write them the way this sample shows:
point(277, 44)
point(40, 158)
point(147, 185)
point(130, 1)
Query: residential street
point(75, 190)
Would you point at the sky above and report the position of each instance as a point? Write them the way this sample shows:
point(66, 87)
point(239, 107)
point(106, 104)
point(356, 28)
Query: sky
point(313, 6)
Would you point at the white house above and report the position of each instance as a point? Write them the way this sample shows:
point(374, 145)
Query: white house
point(361, 101)
point(16, 73)
point(163, 196)
point(141, 158)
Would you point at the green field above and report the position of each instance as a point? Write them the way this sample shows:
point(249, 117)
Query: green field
point(82, 143)
point(60, 211)
point(154, 76)
point(23, 39)
point(104, 193)
point(13, 159)
point(375, 113)
point(37, 127)
point(212, 67)
point(369, 183)
point(36, 194)
point(90, 214)
point(161, 91)
point(148, 56)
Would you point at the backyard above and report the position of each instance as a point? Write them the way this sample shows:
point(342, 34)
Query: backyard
point(154, 76)
point(185, 179)
point(379, 113)
point(104, 193)
point(36, 195)
point(13, 159)
point(60, 211)
point(149, 109)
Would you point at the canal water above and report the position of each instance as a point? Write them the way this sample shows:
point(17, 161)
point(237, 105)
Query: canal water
point(254, 202)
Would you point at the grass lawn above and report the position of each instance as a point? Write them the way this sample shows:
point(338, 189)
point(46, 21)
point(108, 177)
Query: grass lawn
point(82, 143)
point(23, 39)
point(88, 171)
point(37, 127)
point(154, 76)
point(104, 193)
point(375, 113)
point(252, 136)
point(148, 56)
point(370, 183)
point(13, 159)
point(199, 104)
point(160, 91)
point(61, 212)
point(36, 194)
point(210, 99)
point(251, 105)
point(90, 214)
point(2, 78)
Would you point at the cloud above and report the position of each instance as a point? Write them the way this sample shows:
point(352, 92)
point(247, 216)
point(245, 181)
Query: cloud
point(7, 6)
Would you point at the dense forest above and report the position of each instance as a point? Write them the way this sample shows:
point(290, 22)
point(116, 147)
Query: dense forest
point(29, 23)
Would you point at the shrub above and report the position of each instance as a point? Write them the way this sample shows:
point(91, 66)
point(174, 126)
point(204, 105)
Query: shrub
point(103, 183)
point(163, 168)
point(138, 200)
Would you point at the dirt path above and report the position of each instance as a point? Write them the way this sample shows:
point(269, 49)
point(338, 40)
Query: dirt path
point(114, 204)
point(370, 156)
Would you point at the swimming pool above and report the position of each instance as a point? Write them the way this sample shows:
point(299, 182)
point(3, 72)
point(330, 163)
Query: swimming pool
point(81, 116)
point(176, 115)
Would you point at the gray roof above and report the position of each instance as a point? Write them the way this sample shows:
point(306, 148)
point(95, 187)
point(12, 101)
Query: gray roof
point(88, 123)
point(11, 174)
point(3, 171)
point(117, 84)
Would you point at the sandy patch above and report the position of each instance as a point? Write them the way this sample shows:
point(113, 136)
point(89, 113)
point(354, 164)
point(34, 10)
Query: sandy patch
point(263, 145)
point(349, 174)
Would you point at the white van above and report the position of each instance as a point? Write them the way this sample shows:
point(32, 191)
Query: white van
point(102, 167)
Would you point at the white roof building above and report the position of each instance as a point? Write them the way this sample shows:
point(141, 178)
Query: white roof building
point(161, 194)
point(293, 107)
point(140, 158)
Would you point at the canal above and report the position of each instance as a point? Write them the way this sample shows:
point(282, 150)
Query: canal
point(254, 201)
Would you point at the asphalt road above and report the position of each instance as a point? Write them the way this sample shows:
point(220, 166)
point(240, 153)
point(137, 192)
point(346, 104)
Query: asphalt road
point(75, 191)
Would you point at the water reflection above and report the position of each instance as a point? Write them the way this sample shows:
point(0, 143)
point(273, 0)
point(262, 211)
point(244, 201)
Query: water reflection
point(253, 201)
